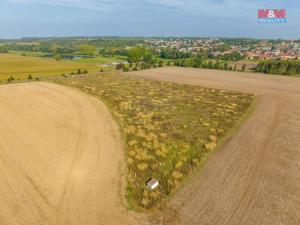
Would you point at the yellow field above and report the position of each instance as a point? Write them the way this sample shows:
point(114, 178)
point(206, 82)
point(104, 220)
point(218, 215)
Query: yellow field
point(21, 66)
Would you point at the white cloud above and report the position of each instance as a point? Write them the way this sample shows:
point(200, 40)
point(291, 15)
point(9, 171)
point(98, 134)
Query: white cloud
point(215, 8)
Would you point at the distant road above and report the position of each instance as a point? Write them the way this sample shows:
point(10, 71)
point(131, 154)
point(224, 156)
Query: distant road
point(255, 178)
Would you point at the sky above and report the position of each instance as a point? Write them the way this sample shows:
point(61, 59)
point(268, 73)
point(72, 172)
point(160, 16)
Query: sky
point(196, 18)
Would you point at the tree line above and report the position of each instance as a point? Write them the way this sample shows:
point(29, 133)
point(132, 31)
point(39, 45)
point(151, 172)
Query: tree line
point(282, 67)
point(198, 62)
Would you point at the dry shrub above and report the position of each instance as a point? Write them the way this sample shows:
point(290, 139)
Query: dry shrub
point(129, 130)
point(132, 153)
point(130, 161)
point(205, 124)
point(142, 166)
point(132, 143)
point(163, 135)
point(179, 164)
point(211, 146)
point(213, 138)
point(126, 105)
point(177, 175)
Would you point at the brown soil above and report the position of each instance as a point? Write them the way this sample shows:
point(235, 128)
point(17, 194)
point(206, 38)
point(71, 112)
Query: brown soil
point(60, 158)
point(254, 179)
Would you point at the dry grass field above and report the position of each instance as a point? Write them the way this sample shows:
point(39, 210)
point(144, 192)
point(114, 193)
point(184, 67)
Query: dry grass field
point(21, 66)
point(169, 129)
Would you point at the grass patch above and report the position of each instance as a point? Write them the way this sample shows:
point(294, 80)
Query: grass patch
point(169, 129)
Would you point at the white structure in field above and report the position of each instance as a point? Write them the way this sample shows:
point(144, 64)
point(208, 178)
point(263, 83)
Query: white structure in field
point(152, 184)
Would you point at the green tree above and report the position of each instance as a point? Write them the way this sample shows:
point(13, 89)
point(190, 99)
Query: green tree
point(87, 49)
point(54, 48)
point(120, 66)
point(57, 57)
point(137, 54)
point(160, 63)
point(217, 65)
point(226, 66)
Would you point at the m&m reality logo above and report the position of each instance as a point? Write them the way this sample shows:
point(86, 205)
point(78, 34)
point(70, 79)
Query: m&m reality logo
point(272, 16)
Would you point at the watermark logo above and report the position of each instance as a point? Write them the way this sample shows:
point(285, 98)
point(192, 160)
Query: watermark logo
point(272, 15)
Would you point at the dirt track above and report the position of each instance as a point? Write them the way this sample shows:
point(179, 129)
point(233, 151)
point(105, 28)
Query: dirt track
point(60, 157)
point(255, 178)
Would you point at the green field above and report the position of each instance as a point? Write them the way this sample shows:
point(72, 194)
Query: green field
point(21, 66)
point(169, 129)
point(96, 59)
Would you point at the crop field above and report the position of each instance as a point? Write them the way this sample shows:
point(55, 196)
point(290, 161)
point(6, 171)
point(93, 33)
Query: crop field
point(96, 59)
point(169, 130)
point(20, 67)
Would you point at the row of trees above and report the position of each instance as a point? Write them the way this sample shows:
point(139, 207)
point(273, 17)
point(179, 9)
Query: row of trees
point(142, 65)
point(55, 48)
point(234, 56)
point(147, 59)
point(283, 67)
point(200, 63)
point(170, 53)
point(83, 46)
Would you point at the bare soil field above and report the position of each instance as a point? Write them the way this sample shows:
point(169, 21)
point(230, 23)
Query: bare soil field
point(58, 164)
point(255, 178)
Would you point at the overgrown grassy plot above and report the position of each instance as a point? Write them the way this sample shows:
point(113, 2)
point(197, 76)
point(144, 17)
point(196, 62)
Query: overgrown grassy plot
point(169, 129)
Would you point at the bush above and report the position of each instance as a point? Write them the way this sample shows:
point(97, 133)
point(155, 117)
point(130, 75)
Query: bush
point(79, 71)
point(160, 63)
point(243, 67)
point(120, 66)
point(126, 69)
point(11, 78)
point(29, 77)
point(102, 70)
